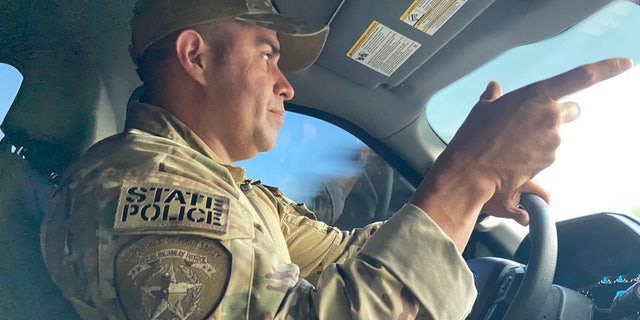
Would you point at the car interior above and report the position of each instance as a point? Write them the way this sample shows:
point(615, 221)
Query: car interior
point(382, 64)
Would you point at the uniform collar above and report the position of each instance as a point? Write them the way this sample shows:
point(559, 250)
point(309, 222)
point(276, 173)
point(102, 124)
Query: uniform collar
point(160, 122)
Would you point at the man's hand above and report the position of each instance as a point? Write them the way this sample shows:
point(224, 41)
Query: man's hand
point(510, 138)
point(504, 142)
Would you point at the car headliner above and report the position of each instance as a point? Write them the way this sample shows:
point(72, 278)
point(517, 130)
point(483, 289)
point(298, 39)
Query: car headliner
point(73, 55)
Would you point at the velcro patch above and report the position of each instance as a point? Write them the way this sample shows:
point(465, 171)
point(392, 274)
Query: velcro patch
point(146, 206)
point(172, 277)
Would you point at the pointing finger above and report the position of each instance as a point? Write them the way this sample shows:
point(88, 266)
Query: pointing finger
point(582, 77)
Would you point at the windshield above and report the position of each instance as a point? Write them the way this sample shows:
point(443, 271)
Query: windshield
point(10, 80)
point(596, 167)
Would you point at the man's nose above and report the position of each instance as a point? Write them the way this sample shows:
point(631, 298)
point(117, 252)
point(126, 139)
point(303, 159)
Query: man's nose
point(282, 87)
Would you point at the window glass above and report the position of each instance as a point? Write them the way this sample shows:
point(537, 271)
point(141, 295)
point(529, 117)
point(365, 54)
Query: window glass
point(336, 175)
point(596, 166)
point(10, 80)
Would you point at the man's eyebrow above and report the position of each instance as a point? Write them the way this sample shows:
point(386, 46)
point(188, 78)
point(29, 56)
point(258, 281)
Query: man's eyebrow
point(275, 50)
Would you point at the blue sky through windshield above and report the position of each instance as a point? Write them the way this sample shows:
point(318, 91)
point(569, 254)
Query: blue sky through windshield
point(10, 80)
point(603, 35)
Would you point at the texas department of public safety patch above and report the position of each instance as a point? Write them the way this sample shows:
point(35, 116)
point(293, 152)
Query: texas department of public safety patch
point(171, 277)
point(144, 206)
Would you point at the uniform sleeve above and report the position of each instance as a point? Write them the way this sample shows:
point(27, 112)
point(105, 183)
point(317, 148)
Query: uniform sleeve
point(316, 248)
point(313, 244)
point(408, 269)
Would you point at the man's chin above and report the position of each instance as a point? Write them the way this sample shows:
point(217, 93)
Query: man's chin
point(268, 143)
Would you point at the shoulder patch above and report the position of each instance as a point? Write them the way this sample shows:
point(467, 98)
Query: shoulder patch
point(146, 206)
point(171, 277)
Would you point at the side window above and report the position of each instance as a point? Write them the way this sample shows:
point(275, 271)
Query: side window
point(336, 175)
point(10, 80)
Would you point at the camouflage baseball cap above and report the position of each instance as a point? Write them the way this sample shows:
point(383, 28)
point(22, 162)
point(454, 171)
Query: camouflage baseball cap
point(300, 42)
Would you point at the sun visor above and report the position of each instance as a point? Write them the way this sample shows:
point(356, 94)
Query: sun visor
point(376, 43)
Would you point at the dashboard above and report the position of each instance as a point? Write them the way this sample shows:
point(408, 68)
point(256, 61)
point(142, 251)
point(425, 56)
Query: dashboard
point(598, 255)
point(604, 291)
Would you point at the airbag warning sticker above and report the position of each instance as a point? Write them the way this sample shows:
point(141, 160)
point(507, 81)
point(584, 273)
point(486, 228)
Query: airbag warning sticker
point(429, 15)
point(382, 49)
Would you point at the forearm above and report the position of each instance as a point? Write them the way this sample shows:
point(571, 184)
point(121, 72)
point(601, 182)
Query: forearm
point(452, 195)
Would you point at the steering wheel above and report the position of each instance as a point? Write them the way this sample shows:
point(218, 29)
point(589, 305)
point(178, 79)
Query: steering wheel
point(509, 290)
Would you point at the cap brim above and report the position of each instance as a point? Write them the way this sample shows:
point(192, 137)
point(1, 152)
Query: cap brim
point(300, 43)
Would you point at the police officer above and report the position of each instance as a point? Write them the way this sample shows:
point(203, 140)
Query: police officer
point(157, 222)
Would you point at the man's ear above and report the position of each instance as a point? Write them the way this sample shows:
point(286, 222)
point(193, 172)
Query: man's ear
point(191, 51)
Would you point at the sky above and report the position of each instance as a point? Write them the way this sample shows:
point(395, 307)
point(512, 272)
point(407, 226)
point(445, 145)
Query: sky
point(596, 166)
point(10, 80)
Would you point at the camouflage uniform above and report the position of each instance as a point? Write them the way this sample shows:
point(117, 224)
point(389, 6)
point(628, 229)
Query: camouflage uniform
point(149, 225)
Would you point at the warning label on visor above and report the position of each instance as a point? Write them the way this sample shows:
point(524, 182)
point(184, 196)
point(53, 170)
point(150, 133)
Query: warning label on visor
point(382, 49)
point(429, 15)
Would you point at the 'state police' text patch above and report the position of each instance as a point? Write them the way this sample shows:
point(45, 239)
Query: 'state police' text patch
point(146, 206)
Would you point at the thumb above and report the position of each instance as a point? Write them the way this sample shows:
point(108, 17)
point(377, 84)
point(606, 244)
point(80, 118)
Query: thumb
point(518, 213)
point(492, 92)
point(532, 187)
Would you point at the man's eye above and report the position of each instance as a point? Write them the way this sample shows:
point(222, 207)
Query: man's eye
point(267, 56)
